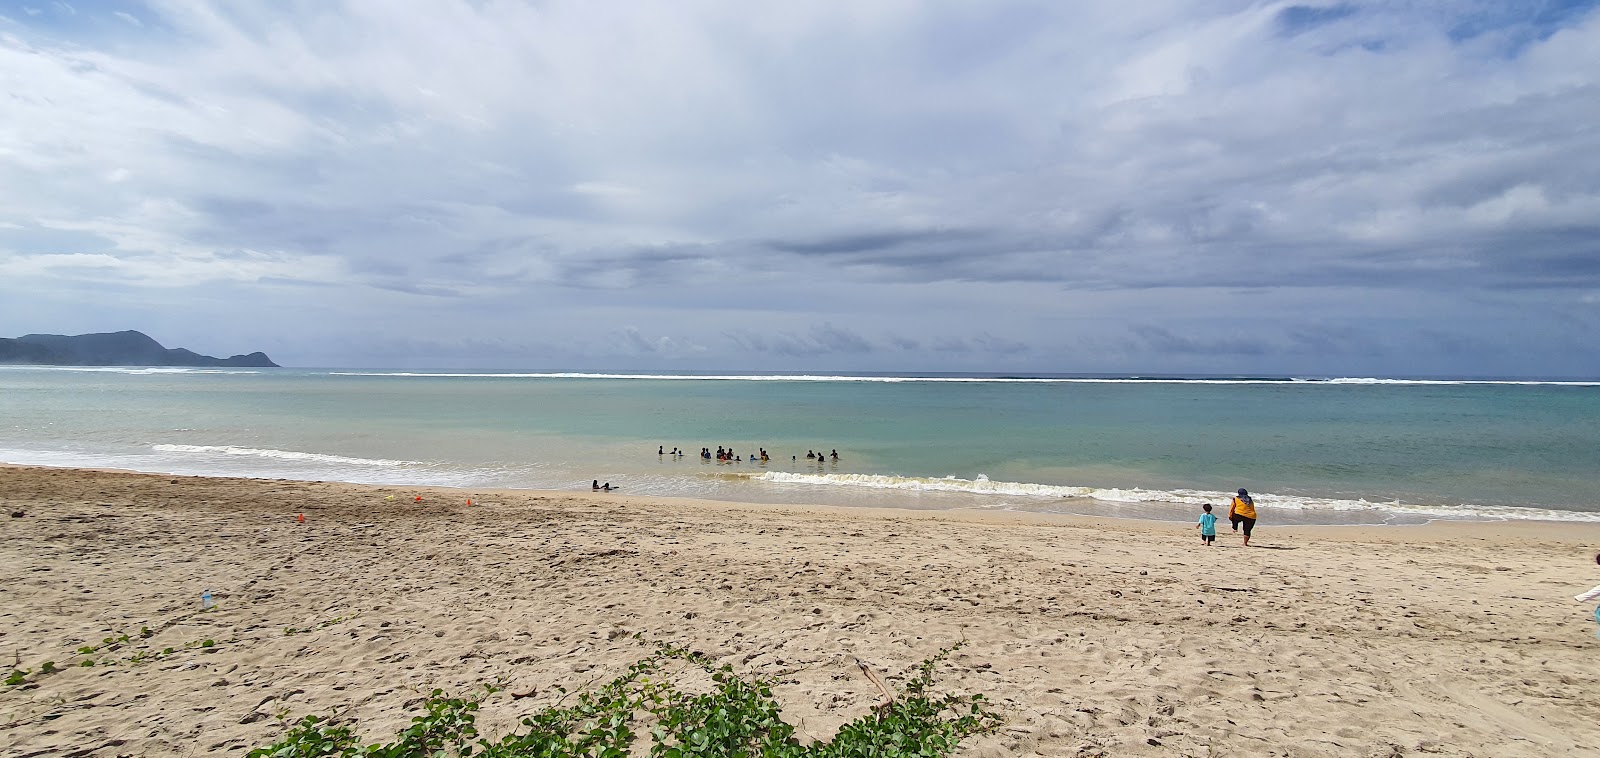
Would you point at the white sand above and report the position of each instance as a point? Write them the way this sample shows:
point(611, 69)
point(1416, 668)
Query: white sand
point(1093, 636)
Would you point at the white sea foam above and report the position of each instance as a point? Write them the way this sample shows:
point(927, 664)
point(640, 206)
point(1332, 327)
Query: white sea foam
point(953, 379)
point(289, 455)
point(1430, 382)
point(982, 485)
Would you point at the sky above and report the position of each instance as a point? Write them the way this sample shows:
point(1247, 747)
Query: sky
point(1362, 188)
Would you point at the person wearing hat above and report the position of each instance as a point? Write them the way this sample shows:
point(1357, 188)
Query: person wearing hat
point(1243, 512)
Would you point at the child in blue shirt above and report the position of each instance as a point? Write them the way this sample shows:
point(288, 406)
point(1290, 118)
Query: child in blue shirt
point(1207, 526)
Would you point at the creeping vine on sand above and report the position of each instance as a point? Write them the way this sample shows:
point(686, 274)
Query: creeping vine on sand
point(736, 718)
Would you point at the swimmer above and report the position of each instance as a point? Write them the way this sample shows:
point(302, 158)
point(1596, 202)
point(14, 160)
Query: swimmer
point(597, 485)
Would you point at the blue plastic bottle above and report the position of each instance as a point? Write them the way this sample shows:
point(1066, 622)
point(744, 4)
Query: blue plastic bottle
point(205, 600)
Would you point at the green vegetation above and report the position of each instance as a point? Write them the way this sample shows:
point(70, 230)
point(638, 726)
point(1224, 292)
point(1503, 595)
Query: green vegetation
point(18, 676)
point(735, 718)
point(289, 630)
point(112, 644)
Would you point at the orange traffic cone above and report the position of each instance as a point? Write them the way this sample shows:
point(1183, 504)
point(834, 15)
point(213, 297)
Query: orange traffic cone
point(469, 501)
point(300, 518)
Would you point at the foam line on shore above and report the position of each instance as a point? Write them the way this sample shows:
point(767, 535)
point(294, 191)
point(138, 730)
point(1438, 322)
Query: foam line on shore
point(290, 455)
point(982, 485)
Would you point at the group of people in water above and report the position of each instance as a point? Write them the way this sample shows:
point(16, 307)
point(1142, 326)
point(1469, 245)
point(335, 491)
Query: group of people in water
point(727, 455)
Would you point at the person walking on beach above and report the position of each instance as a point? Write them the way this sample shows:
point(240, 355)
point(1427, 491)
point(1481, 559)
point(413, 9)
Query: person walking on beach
point(1591, 595)
point(1243, 513)
point(1207, 526)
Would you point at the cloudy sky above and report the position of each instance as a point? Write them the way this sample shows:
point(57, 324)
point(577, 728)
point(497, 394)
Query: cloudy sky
point(1333, 188)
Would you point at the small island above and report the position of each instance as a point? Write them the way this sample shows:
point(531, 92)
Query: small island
point(129, 348)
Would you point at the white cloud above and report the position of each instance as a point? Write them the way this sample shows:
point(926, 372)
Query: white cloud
point(809, 163)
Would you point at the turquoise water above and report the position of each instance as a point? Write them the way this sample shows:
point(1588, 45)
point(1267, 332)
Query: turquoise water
point(1312, 451)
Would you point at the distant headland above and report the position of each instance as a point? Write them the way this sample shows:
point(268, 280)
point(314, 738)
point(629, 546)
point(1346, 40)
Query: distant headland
point(128, 348)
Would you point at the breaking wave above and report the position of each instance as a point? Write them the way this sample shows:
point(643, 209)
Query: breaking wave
point(982, 485)
point(135, 370)
point(289, 455)
point(957, 379)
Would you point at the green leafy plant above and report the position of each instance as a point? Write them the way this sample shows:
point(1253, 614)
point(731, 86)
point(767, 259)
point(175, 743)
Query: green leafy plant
point(18, 676)
point(311, 737)
point(735, 717)
point(290, 630)
point(48, 667)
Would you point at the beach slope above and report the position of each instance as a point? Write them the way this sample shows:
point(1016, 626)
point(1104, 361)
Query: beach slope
point(1091, 636)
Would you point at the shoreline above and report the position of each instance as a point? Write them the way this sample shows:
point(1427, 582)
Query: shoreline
point(1121, 511)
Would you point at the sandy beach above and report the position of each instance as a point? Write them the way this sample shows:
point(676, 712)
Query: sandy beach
point(1092, 636)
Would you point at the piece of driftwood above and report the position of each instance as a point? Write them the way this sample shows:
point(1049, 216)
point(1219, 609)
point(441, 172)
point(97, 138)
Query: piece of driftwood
point(888, 695)
point(521, 695)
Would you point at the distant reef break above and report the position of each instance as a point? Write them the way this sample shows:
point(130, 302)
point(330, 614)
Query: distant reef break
point(128, 348)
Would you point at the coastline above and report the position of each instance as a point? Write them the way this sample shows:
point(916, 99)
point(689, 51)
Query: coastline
point(1318, 453)
point(894, 500)
point(1092, 634)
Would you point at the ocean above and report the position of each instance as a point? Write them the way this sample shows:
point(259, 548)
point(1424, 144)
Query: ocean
point(1323, 451)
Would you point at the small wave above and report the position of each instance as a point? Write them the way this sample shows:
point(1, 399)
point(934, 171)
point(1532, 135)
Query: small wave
point(290, 455)
point(982, 485)
point(704, 378)
point(1449, 382)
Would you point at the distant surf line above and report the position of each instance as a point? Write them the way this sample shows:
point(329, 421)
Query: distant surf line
point(1287, 381)
point(136, 370)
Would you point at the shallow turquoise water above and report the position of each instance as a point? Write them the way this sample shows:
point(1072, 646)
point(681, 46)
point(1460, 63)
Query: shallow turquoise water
point(1313, 451)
